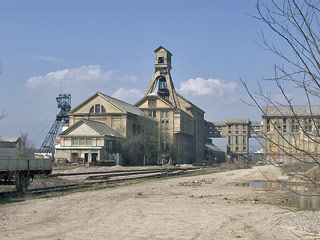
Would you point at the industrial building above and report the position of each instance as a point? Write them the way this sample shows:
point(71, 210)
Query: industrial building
point(96, 129)
point(181, 123)
point(291, 133)
point(237, 131)
point(99, 127)
point(102, 120)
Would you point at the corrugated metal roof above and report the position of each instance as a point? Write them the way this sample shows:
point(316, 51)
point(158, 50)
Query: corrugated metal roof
point(125, 106)
point(277, 111)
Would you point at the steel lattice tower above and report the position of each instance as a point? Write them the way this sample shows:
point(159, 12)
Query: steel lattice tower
point(64, 103)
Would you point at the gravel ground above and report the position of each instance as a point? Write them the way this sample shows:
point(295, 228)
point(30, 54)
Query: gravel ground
point(306, 221)
point(195, 207)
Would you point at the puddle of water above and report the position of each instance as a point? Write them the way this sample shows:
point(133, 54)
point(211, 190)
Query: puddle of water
point(307, 201)
point(256, 184)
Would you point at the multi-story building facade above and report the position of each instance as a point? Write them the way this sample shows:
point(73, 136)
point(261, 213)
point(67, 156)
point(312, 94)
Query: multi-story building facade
point(236, 131)
point(291, 133)
point(237, 135)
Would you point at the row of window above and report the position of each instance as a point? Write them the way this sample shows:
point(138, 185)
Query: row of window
point(244, 140)
point(111, 145)
point(153, 114)
point(306, 123)
point(97, 109)
point(163, 114)
point(237, 132)
point(237, 126)
point(237, 149)
point(81, 141)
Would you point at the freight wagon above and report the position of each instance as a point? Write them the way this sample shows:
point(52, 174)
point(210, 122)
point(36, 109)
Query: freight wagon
point(19, 171)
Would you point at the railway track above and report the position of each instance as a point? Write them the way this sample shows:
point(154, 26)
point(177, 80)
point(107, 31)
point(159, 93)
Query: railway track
point(103, 177)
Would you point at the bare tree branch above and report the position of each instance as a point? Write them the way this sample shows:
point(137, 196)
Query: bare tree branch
point(291, 133)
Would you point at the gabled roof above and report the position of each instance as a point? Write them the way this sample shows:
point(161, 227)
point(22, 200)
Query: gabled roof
point(121, 105)
point(183, 98)
point(84, 102)
point(155, 96)
point(99, 127)
point(125, 106)
point(159, 48)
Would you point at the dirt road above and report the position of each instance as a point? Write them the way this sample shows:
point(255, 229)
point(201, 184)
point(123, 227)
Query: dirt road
point(198, 207)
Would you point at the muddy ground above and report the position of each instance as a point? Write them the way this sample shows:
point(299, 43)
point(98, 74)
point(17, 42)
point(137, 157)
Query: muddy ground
point(199, 207)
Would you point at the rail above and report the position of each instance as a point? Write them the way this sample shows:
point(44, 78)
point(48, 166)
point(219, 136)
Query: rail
point(110, 177)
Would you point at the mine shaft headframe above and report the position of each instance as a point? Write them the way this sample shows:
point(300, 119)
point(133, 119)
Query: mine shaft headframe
point(64, 103)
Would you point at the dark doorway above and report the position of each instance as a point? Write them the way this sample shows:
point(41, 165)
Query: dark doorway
point(74, 157)
point(94, 157)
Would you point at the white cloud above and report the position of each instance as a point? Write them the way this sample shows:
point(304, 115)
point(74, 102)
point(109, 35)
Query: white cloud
point(45, 58)
point(200, 86)
point(84, 74)
point(128, 95)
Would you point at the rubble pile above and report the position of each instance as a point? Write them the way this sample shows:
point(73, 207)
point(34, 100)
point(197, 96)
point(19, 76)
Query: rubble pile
point(306, 221)
point(197, 182)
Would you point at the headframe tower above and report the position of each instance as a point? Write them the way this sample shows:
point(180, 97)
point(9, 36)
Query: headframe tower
point(161, 82)
point(64, 103)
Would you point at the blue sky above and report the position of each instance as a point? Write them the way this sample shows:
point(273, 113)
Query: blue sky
point(108, 46)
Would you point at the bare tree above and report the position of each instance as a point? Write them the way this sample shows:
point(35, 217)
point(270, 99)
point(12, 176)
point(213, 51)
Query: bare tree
point(29, 146)
point(291, 132)
point(2, 115)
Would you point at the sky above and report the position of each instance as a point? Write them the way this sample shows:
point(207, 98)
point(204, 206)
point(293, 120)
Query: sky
point(81, 47)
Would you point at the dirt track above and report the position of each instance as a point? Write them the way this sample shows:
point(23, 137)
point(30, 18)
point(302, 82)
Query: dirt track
point(199, 207)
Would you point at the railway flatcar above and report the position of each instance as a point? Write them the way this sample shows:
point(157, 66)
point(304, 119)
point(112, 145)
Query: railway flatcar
point(19, 171)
